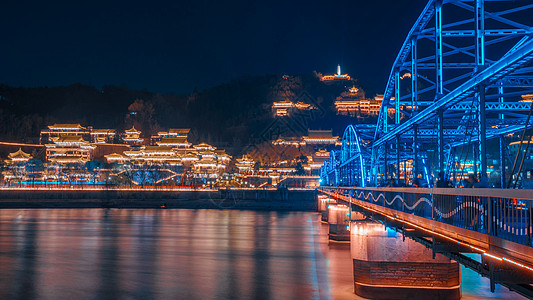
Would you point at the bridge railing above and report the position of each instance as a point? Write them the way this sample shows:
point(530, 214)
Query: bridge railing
point(507, 214)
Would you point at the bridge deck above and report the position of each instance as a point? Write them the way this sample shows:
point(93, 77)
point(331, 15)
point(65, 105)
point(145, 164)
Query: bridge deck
point(494, 222)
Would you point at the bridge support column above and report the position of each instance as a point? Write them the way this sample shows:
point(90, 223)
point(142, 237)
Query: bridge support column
point(339, 222)
point(386, 267)
point(323, 203)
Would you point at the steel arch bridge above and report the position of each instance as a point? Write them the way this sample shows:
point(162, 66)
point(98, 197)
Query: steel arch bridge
point(459, 82)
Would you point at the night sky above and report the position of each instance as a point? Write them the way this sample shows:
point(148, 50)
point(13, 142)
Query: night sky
point(175, 46)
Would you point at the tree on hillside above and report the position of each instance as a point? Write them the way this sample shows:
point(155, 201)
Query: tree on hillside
point(141, 115)
point(287, 88)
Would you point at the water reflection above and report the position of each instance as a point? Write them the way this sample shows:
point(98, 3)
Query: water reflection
point(169, 254)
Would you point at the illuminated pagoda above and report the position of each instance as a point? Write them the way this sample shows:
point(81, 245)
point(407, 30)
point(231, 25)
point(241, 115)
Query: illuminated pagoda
point(321, 137)
point(335, 77)
point(18, 157)
point(132, 136)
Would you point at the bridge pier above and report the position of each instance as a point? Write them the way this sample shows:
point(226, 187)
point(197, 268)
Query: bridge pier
point(339, 222)
point(323, 203)
point(387, 267)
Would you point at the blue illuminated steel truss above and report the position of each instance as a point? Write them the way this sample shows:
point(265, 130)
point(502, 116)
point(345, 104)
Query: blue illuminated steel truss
point(456, 82)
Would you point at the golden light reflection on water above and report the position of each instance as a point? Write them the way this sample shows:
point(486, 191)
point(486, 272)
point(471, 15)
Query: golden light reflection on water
point(174, 254)
point(165, 254)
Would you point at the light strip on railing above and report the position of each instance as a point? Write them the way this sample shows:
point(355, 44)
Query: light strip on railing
point(482, 251)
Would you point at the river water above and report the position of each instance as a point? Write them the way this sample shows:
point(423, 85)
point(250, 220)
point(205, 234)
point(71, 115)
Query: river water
point(177, 254)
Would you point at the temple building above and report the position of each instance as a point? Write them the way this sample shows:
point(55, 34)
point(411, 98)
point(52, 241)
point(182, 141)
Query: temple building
point(321, 137)
point(132, 136)
point(208, 168)
point(102, 136)
point(245, 164)
point(69, 149)
point(289, 141)
point(316, 161)
point(286, 107)
point(353, 103)
point(204, 147)
point(313, 138)
point(176, 137)
point(18, 157)
point(174, 142)
point(163, 155)
point(57, 130)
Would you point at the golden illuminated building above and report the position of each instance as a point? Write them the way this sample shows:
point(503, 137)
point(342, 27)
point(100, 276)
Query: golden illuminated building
point(353, 103)
point(285, 107)
point(102, 136)
point(313, 138)
point(204, 147)
point(321, 137)
point(176, 138)
point(69, 149)
point(175, 142)
point(18, 157)
point(289, 141)
point(55, 131)
point(132, 136)
point(245, 164)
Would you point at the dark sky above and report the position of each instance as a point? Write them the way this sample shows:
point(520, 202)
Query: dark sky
point(173, 46)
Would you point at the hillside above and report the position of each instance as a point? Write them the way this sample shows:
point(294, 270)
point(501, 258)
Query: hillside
point(234, 115)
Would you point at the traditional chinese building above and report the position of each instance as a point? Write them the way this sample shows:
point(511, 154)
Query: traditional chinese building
point(102, 136)
point(353, 103)
point(321, 137)
point(69, 149)
point(316, 161)
point(245, 164)
point(132, 136)
point(173, 137)
point(18, 157)
point(57, 130)
point(286, 107)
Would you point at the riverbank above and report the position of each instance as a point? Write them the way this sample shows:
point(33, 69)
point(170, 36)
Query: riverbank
point(253, 199)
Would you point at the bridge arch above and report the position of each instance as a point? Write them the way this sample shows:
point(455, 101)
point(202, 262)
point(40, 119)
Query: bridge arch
point(352, 163)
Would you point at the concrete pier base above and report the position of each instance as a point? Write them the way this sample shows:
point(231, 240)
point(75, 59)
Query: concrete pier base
point(323, 203)
point(339, 222)
point(387, 267)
